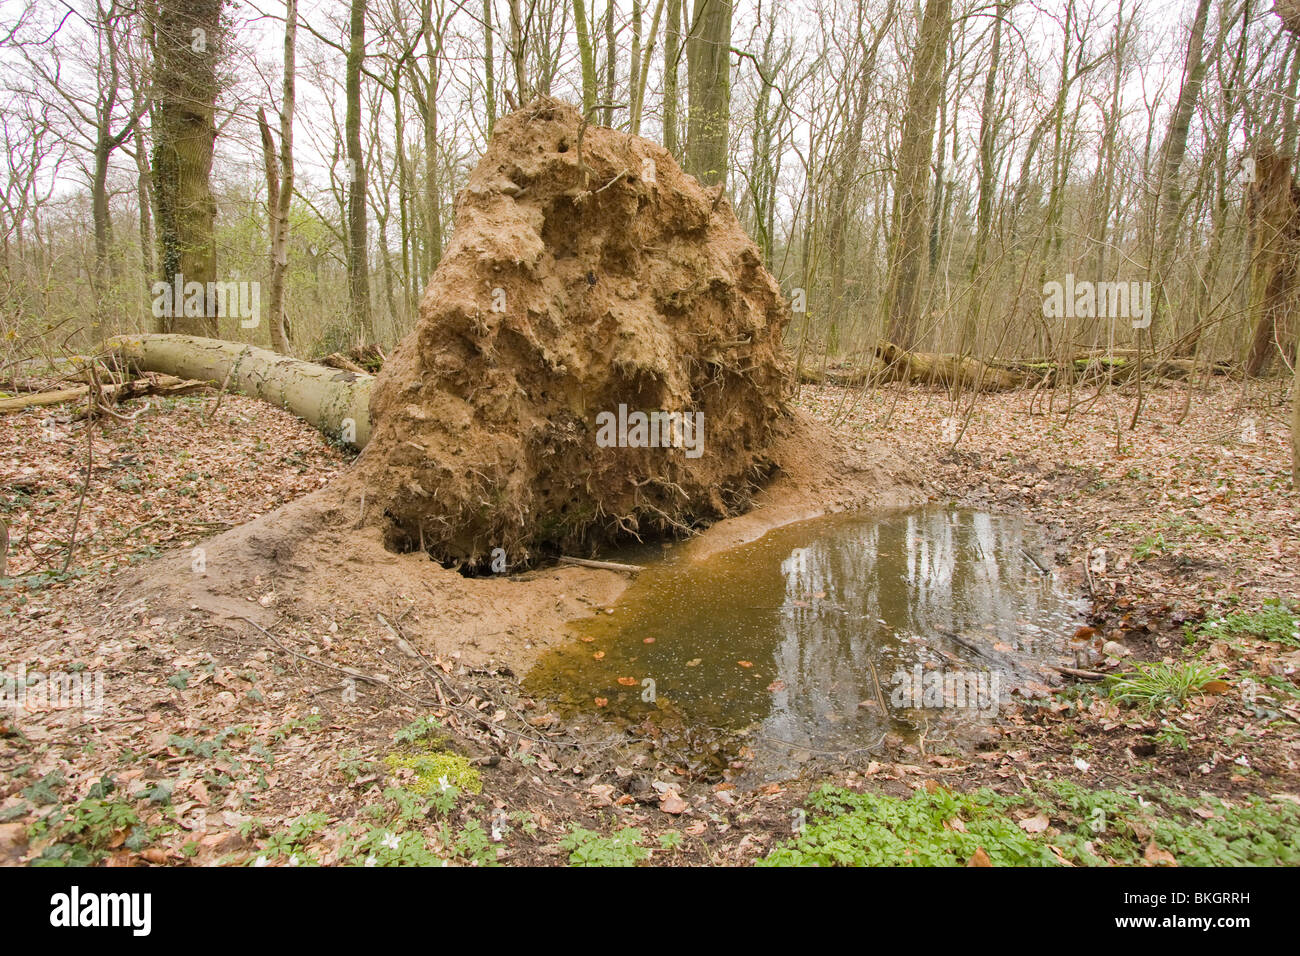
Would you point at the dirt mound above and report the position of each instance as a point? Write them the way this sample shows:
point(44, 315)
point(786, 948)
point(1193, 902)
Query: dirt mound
point(598, 356)
point(618, 283)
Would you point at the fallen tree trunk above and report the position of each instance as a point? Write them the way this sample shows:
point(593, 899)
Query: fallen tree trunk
point(337, 402)
point(932, 368)
point(1119, 365)
point(113, 394)
point(41, 399)
point(841, 373)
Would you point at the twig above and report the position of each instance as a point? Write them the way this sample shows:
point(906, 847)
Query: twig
point(1035, 562)
point(1076, 672)
point(85, 487)
point(602, 565)
point(222, 393)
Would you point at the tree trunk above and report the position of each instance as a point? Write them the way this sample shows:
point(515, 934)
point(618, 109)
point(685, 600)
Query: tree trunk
point(1274, 211)
point(643, 72)
point(489, 68)
point(1171, 159)
point(1295, 421)
point(909, 221)
point(708, 67)
point(279, 185)
point(433, 211)
point(588, 61)
point(517, 53)
point(187, 46)
point(672, 53)
point(336, 402)
point(358, 265)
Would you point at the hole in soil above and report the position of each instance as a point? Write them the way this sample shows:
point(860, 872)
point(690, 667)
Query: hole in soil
point(482, 569)
point(764, 655)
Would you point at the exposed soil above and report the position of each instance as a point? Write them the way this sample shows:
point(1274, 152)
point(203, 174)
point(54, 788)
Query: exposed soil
point(586, 273)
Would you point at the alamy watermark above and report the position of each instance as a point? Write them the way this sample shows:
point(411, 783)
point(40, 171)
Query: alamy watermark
point(33, 691)
point(946, 689)
point(1084, 299)
point(655, 429)
point(236, 299)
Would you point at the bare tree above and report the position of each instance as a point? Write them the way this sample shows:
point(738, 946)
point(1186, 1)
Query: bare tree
point(279, 183)
point(708, 55)
point(912, 180)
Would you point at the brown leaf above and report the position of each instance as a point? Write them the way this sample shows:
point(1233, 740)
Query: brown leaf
point(672, 803)
point(1035, 824)
point(1158, 857)
point(979, 858)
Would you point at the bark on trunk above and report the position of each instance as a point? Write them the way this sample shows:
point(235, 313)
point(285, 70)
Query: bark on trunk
point(336, 402)
point(186, 50)
point(708, 67)
point(1273, 206)
point(358, 264)
point(909, 220)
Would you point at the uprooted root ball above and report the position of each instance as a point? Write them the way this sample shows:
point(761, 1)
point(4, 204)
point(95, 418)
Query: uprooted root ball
point(588, 279)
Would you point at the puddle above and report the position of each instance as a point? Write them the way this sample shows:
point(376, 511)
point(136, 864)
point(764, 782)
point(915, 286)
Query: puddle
point(785, 649)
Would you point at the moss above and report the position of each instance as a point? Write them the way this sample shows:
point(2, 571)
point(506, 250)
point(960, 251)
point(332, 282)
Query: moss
point(431, 768)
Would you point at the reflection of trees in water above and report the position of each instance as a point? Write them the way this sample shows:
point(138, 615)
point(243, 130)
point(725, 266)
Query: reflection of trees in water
point(924, 574)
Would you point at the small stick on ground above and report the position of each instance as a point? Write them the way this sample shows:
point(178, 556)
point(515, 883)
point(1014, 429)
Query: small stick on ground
point(602, 565)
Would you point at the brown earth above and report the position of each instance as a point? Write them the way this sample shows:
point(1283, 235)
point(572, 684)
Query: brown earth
point(314, 556)
point(586, 272)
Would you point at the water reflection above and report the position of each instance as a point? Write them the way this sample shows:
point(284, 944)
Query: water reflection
point(799, 638)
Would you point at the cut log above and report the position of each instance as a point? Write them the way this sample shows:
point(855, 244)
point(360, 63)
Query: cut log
point(337, 402)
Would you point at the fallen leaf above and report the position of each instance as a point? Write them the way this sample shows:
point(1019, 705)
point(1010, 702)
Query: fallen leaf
point(979, 858)
point(1036, 824)
point(1158, 857)
point(672, 803)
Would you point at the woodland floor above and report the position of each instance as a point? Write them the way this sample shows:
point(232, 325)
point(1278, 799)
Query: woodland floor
point(241, 746)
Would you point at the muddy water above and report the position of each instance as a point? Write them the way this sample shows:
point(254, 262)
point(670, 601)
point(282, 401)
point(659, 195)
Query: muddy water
point(818, 639)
